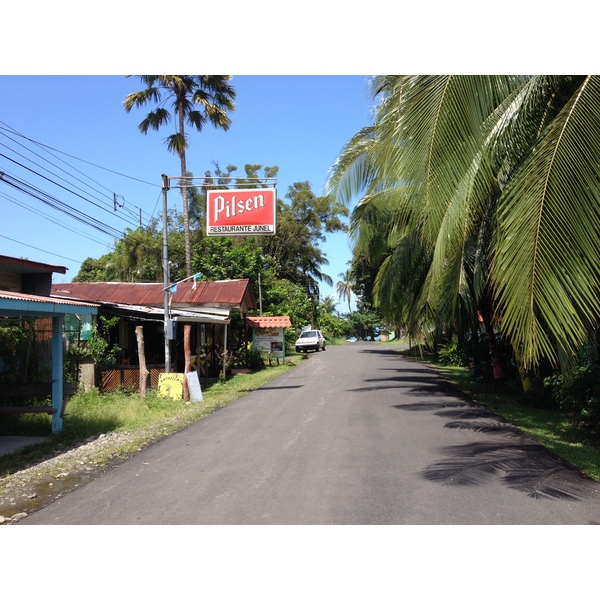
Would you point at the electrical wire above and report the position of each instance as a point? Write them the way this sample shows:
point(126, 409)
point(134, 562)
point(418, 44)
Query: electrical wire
point(48, 148)
point(49, 200)
point(49, 218)
point(40, 249)
point(55, 183)
point(48, 171)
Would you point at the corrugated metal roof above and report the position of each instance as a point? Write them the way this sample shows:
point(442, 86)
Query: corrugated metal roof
point(150, 312)
point(15, 303)
point(266, 322)
point(234, 293)
point(4, 295)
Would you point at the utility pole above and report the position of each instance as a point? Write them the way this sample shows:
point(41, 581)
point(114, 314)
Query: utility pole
point(166, 277)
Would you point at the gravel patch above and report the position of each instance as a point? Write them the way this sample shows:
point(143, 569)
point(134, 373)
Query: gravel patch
point(30, 489)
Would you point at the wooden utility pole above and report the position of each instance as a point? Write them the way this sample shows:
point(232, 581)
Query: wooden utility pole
point(166, 278)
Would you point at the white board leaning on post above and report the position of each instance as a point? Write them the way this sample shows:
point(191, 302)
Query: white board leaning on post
point(194, 386)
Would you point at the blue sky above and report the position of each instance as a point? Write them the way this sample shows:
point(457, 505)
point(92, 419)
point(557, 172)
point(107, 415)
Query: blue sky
point(87, 143)
point(301, 87)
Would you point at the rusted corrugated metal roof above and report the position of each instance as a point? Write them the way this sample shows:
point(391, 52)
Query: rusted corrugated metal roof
point(115, 292)
point(235, 293)
point(266, 322)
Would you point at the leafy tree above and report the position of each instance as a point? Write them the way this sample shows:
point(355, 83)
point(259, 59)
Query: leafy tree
point(101, 269)
point(363, 322)
point(332, 326)
point(302, 222)
point(286, 298)
point(138, 255)
point(195, 100)
point(219, 258)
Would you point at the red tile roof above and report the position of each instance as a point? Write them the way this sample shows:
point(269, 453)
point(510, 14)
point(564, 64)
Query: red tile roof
point(266, 322)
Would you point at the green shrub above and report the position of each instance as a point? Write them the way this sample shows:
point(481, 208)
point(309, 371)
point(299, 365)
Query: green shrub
point(451, 354)
point(257, 359)
point(578, 393)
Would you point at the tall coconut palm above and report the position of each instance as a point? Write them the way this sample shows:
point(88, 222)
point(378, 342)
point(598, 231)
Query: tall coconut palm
point(497, 177)
point(195, 101)
point(344, 288)
point(327, 305)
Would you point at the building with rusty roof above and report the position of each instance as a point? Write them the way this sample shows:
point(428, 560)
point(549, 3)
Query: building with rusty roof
point(205, 305)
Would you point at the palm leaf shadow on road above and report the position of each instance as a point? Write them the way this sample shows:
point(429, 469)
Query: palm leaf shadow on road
point(518, 462)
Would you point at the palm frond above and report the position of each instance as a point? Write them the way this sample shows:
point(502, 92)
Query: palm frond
point(546, 267)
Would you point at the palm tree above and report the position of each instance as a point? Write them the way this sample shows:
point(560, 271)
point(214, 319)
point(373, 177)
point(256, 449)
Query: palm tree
point(195, 100)
point(494, 180)
point(344, 288)
point(327, 305)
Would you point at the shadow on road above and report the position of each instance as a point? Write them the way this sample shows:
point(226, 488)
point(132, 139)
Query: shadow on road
point(280, 387)
point(418, 384)
point(508, 455)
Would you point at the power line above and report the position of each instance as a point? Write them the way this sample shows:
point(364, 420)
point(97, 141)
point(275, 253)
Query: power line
point(49, 218)
point(40, 249)
point(55, 183)
point(47, 170)
point(49, 200)
point(77, 158)
point(50, 150)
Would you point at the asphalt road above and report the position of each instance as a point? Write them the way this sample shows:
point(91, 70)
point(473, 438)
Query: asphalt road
point(354, 435)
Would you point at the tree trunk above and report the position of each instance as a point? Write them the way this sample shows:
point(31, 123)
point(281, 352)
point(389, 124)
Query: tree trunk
point(187, 352)
point(526, 379)
point(144, 373)
point(184, 194)
point(486, 311)
point(497, 368)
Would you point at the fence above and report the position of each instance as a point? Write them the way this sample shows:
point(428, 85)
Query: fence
point(129, 377)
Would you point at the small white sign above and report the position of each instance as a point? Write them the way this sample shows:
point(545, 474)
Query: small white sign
point(194, 386)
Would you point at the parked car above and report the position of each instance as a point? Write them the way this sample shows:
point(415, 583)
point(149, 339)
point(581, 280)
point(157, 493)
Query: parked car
point(310, 340)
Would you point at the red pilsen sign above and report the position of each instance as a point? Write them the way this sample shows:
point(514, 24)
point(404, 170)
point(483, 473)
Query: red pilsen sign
point(241, 212)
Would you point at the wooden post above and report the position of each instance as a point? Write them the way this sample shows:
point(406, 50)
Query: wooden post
point(187, 353)
point(139, 334)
